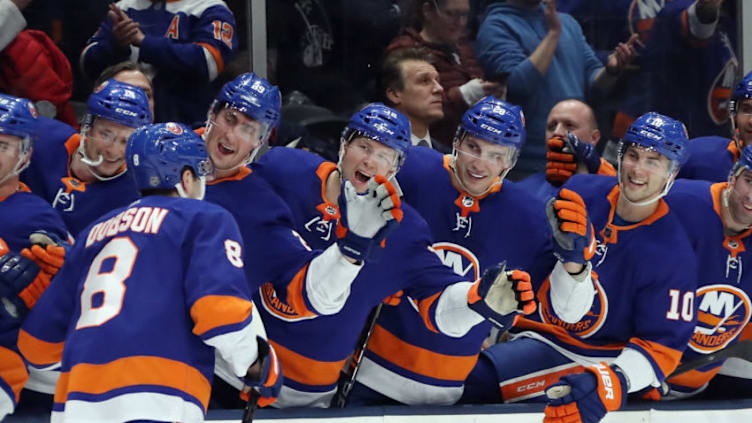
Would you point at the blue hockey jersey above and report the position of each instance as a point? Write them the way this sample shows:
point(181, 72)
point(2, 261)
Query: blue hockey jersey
point(313, 350)
point(78, 202)
point(710, 159)
point(405, 360)
point(644, 300)
point(144, 295)
point(21, 214)
point(187, 42)
point(724, 289)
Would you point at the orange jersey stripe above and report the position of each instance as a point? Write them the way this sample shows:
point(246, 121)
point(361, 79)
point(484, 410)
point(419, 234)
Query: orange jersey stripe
point(420, 360)
point(307, 370)
point(38, 352)
point(133, 371)
point(13, 370)
point(295, 293)
point(215, 54)
point(424, 306)
point(666, 358)
point(694, 378)
point(213, 311)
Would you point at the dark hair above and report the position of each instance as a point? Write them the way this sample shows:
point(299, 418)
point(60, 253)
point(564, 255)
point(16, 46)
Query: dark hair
point(390, 74)
point(414, 15)
point(115, 69)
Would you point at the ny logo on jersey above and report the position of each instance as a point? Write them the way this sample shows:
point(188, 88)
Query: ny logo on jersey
point(320, 226)
point(64, 201)
point(463, 224)
point(723, 312)
point(458, 258)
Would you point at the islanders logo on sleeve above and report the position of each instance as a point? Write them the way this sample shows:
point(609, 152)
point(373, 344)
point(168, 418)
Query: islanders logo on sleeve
point(458, 258)
point(279, 307)
point(590, 322)
point(723, 312)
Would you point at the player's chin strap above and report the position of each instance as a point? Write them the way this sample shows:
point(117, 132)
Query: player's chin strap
point(462, 185)
point(202, 191)
point(22, 163)
point(666, 188)
point(91, 164)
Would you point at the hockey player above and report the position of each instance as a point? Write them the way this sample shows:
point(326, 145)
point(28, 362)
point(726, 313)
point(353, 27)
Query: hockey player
point(300, 315)
point(240, 121)
point(136, 328)
point(475, 221)
point(22, 214)
point(81, 176)
point(626, 330)
point(718, 221)
point(711, 158)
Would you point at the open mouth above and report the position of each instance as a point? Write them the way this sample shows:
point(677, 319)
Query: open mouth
point(636, 182)
point(361, 177)
point(223, 149)
point(476, 176)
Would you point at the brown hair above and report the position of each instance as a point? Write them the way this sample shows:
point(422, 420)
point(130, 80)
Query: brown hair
point(390, 75)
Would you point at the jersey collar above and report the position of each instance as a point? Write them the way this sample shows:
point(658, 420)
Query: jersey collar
point(467, 202)
point(610, 233)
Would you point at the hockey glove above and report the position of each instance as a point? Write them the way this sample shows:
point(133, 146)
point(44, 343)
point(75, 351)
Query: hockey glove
point(591, 394)
point(366, 219)
point(564, 154)
point(265, 375)
point(21, 282)
point(48, 251)
point(574, 240)
point(499, 295)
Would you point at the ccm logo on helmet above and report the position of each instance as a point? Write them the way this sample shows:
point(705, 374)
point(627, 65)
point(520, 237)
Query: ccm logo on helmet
point(490, 128)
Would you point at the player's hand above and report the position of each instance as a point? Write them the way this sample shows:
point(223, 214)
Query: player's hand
point(48, 250)
point(264, 375)
point(500, 295)
point(21, 282)
point(574, 240)
point(565, 153)
point(366, 219)
point(587, 396)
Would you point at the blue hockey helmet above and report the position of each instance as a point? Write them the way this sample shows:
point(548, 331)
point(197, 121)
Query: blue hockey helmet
point(18, 117)
point(120, 103)
point(660, 133)
point(495, 121)
point(382, 124)
point(255, 97)
point(742, 91)
point(157, 154)
point(743, 162)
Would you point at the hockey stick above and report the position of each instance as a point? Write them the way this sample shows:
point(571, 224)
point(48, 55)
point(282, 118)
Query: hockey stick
point(741, 349)
point(350, 370)
point(250, 406)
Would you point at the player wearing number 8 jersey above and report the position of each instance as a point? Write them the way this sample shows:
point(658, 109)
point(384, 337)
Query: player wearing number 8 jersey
point(147, 295)
point(628, 331)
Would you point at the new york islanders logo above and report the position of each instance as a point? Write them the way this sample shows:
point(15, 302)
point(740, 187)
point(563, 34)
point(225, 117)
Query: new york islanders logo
point(461, 260)
point(723, 312)
point(588, 324)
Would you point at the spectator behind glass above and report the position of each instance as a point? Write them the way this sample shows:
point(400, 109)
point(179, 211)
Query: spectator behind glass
point(131, 73)
point(690, 56)
point(409, 83)
point(548, 60)
point(439, 26)
point(187, 43)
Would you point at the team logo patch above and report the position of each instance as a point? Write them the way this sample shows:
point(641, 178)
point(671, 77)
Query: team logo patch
point(468, 201)
point(461, 260)
point(174, 128)
point(330, 210)
point(277, 306)
point(723, 312)
point(590, 322)
point(33, 111)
